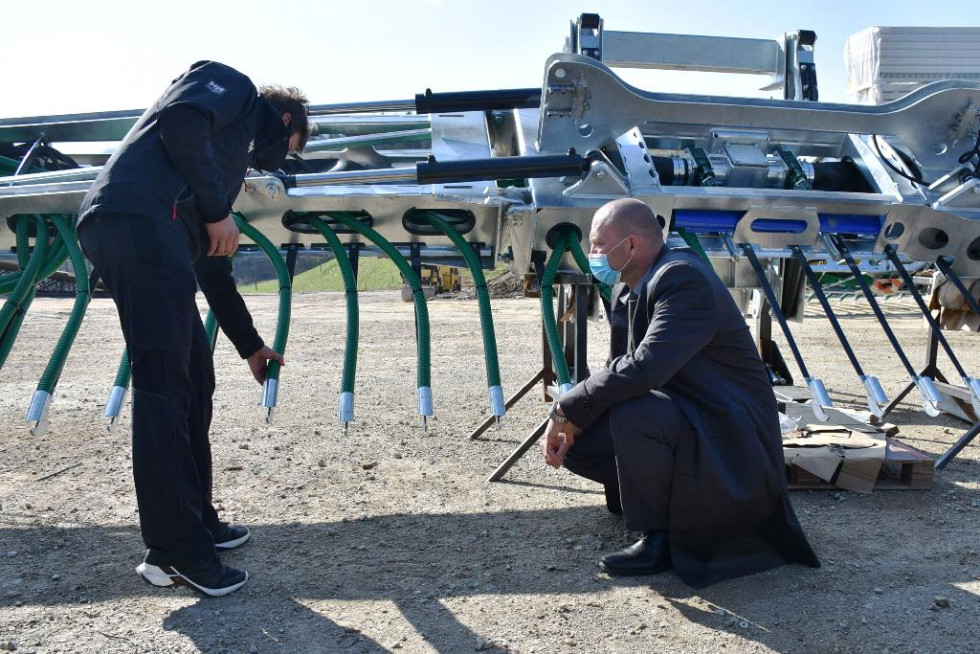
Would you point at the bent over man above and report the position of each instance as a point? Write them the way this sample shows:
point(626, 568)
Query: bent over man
point(155, 223)
point(681, 425)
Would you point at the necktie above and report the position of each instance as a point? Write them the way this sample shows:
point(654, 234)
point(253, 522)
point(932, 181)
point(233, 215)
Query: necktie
point(630, 313)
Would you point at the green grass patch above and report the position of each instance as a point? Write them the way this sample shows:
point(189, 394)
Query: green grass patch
point(373, 274)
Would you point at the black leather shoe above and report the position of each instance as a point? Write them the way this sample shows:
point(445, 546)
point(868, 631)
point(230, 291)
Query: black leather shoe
point(613, 502)
point(648, 556)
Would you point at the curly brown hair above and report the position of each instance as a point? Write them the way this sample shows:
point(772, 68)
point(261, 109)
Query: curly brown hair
point(289, 99)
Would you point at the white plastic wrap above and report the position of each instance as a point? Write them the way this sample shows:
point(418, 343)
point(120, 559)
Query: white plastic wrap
point(787, 424)
point(886, 63)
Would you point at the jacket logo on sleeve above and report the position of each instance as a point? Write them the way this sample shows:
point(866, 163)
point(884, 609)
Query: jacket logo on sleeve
point(215, 88)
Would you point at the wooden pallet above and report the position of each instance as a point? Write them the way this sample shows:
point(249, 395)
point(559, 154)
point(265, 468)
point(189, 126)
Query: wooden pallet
point(904, 468)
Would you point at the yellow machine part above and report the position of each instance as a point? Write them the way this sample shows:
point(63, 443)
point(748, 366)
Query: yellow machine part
point(435, 279)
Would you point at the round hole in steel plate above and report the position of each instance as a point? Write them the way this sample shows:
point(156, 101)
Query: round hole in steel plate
point(933, 238)
point(894, 230)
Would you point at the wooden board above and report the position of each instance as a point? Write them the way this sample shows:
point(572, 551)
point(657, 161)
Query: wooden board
point(904, 468)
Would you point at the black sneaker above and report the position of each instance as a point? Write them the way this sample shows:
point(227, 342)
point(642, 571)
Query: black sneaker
point(228, 537)
point(211, 578)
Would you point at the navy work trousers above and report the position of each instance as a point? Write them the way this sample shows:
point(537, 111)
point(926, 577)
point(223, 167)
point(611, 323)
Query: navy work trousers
point(145, 264)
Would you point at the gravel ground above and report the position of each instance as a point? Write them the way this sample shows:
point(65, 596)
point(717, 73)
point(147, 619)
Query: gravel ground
point(390, 539)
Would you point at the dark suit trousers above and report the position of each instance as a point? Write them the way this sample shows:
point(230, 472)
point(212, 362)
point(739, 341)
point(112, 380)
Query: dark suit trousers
point(634, 444)
point(145, 264)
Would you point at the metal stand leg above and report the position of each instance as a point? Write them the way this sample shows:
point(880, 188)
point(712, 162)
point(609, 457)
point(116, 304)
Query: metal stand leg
point(93, 280)
point(515, 456)
point(575, 341)
point(931, 369)
point(959, 445)
point(291, 251)
point(354, 254)
point(932, 348)
point(525, 389)
point(768, 350)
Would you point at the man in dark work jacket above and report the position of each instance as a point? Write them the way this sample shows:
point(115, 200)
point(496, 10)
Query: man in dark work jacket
point(681, 425)
point(156, 218)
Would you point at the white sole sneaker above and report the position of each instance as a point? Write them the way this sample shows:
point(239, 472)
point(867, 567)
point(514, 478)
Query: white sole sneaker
point(170, 576)
point(232, 544)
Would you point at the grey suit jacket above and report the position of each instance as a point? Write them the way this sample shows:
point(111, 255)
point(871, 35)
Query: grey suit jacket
point(729, 509)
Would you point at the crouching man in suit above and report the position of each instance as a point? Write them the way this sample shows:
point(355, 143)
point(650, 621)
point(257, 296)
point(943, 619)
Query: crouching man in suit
point(681, 425)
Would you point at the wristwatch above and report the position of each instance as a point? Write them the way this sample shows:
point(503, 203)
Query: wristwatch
point(557, 417)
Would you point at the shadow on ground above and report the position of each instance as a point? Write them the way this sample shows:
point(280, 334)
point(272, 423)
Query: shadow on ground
point(312, 582)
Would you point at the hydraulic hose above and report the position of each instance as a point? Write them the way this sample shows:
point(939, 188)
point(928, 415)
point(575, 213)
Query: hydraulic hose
point(486, 316)
point(118, 393)
point(692, 242)
point(421, 311)
point(14, 328)
point(346, 411)
point(13, 310)
point(211, 329)
point(57, 253)
point(548, 312)
point(121, 384)
point(270, 388)
point(37, 411)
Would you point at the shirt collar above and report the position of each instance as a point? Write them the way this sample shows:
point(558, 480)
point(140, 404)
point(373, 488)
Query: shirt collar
point(646, 277)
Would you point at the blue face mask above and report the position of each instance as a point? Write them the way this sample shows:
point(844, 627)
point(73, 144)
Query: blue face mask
point(601, 270)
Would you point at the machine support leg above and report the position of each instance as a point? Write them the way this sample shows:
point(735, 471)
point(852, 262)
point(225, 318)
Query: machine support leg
point(524, 390)
point(575, 342)
point(291, 251)
point(516, 455)
point(354, 254)
point(959, 445)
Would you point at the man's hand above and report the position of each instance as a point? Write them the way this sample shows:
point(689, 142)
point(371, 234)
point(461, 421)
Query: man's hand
point(258, 362)
point(558, 438)
point(224, 237)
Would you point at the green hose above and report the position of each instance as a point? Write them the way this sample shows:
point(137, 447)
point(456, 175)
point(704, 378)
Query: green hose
point(15, 325)
point(575, 246)
point(211, 329)
point(57, 253)
point(13, 310)
point(285, 289)
point(123, 371)
point(271, 386)
point(8, 166)
point(548, 311)
point(486, 316)
point(49, 378)
point(692, 242)
point(421, 311)
point(121, 383)
point(346, 412)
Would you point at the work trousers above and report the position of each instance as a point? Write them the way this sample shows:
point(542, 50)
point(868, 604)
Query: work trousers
point(145, 264)
point(632, 445)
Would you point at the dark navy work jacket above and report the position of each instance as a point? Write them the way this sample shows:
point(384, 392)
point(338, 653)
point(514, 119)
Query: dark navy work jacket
point(186, 159)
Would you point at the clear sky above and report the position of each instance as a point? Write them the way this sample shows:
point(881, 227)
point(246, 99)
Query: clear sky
point(71, 56)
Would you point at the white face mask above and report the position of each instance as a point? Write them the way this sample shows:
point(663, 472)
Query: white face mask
point(601, 270)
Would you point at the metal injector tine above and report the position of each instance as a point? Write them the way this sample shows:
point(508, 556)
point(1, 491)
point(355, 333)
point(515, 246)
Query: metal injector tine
point(930, 396)
point(877, 401)
point(818, 393)
point(972, 384)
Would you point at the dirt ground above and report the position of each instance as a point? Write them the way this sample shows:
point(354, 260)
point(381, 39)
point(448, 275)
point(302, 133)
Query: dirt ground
point(390, 538)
